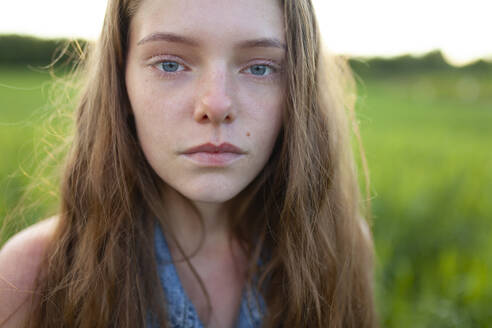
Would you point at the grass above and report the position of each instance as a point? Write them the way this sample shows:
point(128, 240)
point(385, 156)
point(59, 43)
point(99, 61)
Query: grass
point(428, 143)
point(24, 95)
point(430, 157)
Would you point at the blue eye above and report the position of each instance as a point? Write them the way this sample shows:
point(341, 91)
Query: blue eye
point(260, 70)
point(169, 66)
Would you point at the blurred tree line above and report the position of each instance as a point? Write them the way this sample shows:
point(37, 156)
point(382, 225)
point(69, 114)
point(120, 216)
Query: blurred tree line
point(19, 50)
point(433, 61)
point(26, 50)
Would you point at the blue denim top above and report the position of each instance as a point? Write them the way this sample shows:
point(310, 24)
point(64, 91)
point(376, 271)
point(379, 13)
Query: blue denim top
point(180, 309)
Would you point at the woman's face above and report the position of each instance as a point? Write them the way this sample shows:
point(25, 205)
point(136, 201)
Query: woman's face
point(207, 72)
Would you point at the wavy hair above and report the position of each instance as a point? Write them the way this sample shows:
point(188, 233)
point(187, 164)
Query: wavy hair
point(303, 210)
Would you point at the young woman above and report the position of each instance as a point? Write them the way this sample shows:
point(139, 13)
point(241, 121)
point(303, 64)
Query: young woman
point(210, 182)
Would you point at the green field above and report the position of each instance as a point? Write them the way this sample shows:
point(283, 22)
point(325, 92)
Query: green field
point(429, 145)
point(24, 94)
point(428, 140)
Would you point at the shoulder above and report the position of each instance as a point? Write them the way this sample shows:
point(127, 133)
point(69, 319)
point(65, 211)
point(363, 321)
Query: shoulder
point(20, 259)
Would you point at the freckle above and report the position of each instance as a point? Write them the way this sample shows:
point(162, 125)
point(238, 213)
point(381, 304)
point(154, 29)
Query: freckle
point(248, 134)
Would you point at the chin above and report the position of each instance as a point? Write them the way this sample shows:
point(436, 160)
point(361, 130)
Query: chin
point(211, 194)
point(210, 188)
point(215, 190)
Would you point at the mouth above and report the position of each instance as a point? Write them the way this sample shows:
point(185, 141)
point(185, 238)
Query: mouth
point(211, 155)
point(215, 149)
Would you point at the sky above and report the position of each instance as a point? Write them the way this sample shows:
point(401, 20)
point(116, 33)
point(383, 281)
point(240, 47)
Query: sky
point(462, 29)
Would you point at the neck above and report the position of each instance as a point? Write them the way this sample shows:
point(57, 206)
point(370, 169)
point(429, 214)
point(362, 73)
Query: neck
point(190, 220)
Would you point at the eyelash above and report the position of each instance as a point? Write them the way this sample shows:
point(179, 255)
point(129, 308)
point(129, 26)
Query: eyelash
point(158, 60)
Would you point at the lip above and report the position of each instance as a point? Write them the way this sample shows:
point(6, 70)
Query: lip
point(211, 155)
point(215, 149)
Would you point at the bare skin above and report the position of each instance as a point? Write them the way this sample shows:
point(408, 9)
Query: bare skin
point(20, 259)
point(219, 261)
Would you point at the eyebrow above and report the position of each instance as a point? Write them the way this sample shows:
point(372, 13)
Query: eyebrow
point(169, 37)
point(262, 43)
point(176, 38)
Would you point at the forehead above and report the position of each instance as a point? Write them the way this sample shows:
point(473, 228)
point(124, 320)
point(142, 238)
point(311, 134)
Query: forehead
point(210, 20)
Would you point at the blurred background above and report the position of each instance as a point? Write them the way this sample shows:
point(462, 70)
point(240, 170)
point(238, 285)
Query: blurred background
point(424, 77)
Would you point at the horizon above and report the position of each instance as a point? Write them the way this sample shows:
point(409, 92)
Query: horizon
point(362, 58)
point(385, 28)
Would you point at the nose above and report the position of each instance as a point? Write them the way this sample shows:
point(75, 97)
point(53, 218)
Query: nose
point(214, 103)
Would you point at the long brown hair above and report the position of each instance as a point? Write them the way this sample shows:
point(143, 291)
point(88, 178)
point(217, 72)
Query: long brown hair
point(303, 211)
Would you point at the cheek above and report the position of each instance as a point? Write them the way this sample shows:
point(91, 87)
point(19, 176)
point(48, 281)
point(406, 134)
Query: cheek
point(266, 112)
point(158, 114)
point(150, 120)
